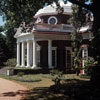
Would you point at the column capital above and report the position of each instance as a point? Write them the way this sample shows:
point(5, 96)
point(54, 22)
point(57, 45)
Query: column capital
point(28, 40)
point(18, 42)
point(22, 41)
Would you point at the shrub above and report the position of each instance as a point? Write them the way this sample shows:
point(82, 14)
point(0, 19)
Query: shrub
point(20, 74)
point(56, 76)
point(85, 76)
point(89, 63)
point(11, 62)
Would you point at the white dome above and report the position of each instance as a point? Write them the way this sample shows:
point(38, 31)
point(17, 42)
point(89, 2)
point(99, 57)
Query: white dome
point(52, 9)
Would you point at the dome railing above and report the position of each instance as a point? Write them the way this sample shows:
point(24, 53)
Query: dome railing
point(53, 27)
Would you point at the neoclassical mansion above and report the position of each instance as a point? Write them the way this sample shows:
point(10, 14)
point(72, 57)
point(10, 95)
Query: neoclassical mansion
point(47, 42)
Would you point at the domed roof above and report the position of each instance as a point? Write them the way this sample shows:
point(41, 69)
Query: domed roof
point(51, 9)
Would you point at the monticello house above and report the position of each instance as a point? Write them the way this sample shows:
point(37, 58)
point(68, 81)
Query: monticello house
point(46, 43)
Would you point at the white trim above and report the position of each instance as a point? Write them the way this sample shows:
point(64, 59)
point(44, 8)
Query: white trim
point(84, 54)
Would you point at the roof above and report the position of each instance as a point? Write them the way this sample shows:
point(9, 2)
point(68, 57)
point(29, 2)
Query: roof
point(51, 9)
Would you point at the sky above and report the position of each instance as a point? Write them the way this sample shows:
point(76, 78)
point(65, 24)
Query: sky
point(1, 21)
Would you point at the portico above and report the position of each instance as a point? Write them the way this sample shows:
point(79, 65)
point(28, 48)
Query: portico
point(27, 48)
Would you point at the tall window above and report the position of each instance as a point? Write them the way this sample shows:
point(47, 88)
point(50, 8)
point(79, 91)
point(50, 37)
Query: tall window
point(84, 54)
point(54, 57)
point(68, 58)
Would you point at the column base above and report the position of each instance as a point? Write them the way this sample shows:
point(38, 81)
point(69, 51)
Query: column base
point(50, 67)
point(17, 65)
point(22, 65)
point(34, 66)
point(27, 66)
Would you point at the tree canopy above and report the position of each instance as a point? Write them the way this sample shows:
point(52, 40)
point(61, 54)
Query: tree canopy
point(15, 12)
point(94, 7)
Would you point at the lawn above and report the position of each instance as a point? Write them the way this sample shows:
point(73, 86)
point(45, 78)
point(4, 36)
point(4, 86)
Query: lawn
point(74, 88)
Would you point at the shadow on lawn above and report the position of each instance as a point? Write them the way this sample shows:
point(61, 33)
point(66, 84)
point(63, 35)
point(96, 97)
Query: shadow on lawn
point(12, 94)
point(71, 90)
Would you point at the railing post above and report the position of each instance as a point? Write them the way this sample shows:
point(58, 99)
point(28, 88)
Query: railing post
point(50, 28)
point(62, 27)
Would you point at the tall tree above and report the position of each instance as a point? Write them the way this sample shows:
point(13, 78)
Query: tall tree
point(3, 48)
point(15, 12)
point(78, 19)
point(93, 6)
point(95, 43)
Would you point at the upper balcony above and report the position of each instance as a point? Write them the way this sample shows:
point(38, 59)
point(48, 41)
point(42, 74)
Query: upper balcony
point(52, 27)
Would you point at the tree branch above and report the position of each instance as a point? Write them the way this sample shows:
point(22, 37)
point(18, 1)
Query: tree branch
point(81, 4)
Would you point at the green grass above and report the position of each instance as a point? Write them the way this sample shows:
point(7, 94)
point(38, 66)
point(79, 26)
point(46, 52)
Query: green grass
point(24, 78)
point(70, 89)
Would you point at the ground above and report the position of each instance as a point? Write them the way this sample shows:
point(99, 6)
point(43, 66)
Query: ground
point(45, 90)
point(11, 90)
point(75, 88)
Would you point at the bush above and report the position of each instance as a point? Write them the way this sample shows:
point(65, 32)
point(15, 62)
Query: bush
point(20, 74)
point(85, 76)
point(11, 62)
point(56, 76)
point(89, 63)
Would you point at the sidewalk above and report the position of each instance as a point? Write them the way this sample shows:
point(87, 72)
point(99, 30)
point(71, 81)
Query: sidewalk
point(11, 90)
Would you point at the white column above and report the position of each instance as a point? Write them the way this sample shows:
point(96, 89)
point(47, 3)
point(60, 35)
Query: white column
point(34, 54)
point(28, 53)
point(49, 53)
point(31, 54)
point(23, 55)
point(18, 54)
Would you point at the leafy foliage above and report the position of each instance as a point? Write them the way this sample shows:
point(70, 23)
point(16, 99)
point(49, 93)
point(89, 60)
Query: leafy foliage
point(89, 64)
point(15, 12)
point(20, 74)
point(3, 51)
point(77, 19)
point(56, 76)
point(11, 62)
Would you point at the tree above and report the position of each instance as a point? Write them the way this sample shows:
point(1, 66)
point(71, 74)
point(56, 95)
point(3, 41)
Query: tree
point(3, 48)
point(15, 12)
point(95, 43)
point(93, 7)
point(2, 52)
point(78, 19)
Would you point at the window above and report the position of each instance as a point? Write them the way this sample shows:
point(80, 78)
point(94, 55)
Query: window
point(52, 20)
point(54, 57)
point(68, 58)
